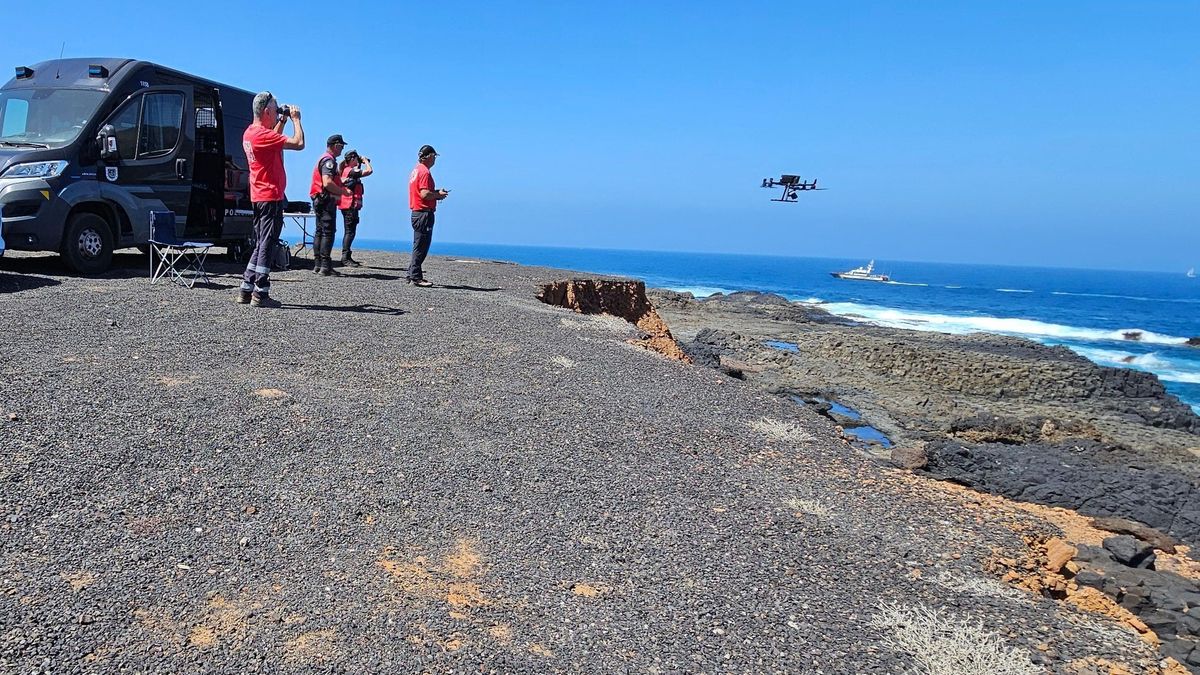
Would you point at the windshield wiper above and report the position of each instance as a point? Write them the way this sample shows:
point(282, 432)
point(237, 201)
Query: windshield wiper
point(23, 144)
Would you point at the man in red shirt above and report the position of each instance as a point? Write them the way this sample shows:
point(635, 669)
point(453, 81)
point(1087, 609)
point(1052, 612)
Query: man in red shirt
point(325, 189)
point(422, 199)
point(264, 145)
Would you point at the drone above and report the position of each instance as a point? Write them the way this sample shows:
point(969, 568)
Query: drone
point(791, 185)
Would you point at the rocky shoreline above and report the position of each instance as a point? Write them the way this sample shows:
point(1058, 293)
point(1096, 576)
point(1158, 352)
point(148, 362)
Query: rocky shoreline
point(998, 414)
point(516, 470)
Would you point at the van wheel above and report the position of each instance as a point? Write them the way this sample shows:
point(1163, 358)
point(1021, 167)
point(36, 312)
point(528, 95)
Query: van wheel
point(88, 244)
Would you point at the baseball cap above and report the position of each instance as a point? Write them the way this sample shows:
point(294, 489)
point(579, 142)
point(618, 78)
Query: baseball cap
point(335, 139)
point(426, 150)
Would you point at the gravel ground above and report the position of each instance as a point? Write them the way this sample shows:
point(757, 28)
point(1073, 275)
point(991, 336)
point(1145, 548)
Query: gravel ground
point(383, 478)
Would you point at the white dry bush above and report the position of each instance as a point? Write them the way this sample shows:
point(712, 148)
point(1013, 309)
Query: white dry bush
point(975, 585)
point(776, 430)
point(810, 506)
point(605, 322)
point(943, 645)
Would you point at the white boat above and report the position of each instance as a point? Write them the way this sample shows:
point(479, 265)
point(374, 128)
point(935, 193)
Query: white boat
point(1191, 273)
point(862, 274)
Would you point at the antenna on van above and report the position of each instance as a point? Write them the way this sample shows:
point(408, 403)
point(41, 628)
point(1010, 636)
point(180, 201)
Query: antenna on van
point(60, 55)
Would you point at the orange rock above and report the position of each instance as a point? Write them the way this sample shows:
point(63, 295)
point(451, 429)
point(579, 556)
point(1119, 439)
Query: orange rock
point(1058, 554)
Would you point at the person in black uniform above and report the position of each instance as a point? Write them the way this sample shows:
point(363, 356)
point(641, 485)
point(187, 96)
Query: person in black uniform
point(353, 169)
point(325, 190)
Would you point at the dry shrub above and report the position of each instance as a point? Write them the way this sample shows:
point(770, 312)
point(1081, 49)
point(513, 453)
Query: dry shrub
point(780, 431)
point(811, 507)
point(943, 645)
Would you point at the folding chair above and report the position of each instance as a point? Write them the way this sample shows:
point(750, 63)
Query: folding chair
point(182, 260)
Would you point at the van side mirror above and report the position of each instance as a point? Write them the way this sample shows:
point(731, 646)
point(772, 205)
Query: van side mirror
point(107, 140)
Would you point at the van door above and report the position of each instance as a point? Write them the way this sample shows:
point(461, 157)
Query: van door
point(207, 206)
point(155, 138)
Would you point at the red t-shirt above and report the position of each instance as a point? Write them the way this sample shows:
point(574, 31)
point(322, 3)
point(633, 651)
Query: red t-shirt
point(264, 150)
point(348, 201)
point(420, 179)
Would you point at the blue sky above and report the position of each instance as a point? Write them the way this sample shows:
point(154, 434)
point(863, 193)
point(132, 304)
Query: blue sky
point(1032, 133)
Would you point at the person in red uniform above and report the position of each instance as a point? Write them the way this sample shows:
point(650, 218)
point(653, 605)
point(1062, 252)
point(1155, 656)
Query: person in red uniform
point(353, 169)
point(422, 199)
point(264, 144)
point(325, 189)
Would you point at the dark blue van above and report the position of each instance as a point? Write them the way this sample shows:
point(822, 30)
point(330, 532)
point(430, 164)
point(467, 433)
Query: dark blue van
point(89, 147)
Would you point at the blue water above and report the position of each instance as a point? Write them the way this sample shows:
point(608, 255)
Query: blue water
point(1089, 311)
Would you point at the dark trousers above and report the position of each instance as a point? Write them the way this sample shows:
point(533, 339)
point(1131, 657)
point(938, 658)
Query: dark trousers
point(268, 223)
point(349, 227)
point(422, 224)
point(326, 211)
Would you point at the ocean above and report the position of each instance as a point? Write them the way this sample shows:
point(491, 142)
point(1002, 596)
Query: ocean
point(1138, 320)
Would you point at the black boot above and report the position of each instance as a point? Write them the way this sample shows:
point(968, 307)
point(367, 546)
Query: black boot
point(327, 258)
point(318, 245)
point(349, 261)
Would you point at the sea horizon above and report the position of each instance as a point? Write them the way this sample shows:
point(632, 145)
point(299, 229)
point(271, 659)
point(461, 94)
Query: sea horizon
point(405, 244)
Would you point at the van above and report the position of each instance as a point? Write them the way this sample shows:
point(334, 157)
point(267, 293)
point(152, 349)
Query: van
point(89, 147)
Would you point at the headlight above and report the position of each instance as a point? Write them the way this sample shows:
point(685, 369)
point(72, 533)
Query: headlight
point(36, 169)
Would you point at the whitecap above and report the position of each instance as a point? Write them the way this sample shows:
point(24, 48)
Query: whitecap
point(1014, 290)
point(700, 291)
point(1126, 297)
point(946, 323)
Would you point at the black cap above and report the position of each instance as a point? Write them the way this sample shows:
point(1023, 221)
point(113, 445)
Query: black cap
point(425, 151)
point(335, 139)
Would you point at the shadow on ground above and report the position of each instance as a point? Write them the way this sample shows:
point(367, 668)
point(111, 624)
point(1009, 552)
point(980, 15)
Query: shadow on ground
point(15, 283)
point(359, 309)
point(466, 288)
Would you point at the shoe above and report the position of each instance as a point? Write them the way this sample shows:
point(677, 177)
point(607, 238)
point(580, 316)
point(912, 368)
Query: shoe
point(420, 282)
point(350, 262)
point(263, 300)
point(242, 298)
point(316, 266)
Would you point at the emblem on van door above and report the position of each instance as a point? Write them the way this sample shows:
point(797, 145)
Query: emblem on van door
point(110, 172)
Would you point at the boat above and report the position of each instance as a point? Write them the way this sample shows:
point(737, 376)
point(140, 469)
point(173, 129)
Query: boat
point(1191, 273)
point(862, 274)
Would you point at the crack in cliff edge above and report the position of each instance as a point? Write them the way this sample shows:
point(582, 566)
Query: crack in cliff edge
point(624, 299)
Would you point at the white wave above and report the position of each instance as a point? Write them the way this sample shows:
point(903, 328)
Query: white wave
point(1014, 290)
point(811, 301)
point(1125, 297)
point(954, 287)
point(946, 323)
point(1166, 369)
point(903, 283)
point(700, 291)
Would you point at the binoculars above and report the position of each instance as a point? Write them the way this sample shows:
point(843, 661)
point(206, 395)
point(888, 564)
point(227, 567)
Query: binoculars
point(285, 111)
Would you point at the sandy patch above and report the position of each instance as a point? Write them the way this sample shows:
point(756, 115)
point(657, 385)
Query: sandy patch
point(314, 646)
point(78, 581)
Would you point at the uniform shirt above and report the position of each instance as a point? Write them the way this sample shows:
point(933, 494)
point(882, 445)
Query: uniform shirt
point(420, 179)
point(355, 201)
point(264, 150)
point(326, 166)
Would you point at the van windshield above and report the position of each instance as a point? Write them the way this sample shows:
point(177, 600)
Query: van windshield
point(45, 117)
